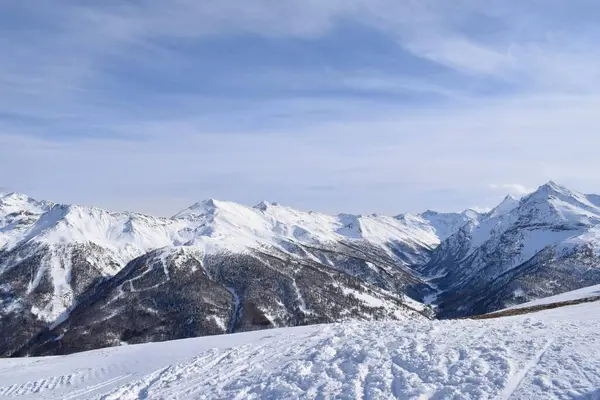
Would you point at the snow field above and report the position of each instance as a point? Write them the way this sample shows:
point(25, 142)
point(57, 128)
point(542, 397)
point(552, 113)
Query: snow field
point(547, 355)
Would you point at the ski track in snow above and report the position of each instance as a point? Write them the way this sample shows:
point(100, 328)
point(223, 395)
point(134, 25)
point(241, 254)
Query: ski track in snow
point(515, 381)
point(548, 355)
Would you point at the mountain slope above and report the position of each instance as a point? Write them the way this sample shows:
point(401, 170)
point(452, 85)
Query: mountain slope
point(544, 245)
point(180, 293)
point(54, 258)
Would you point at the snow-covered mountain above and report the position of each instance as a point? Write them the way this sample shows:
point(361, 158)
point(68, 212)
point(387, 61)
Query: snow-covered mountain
point(546, 243)
point(262, 265)
point(70, 272)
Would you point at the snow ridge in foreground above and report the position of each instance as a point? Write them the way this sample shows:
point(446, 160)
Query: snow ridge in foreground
point(546, 355)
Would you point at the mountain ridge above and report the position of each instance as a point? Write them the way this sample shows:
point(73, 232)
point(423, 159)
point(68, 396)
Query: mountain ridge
point(61, 255)
point(64, 269)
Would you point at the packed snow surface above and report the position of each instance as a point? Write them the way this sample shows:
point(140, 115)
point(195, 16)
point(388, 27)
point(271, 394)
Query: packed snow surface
point(546, 355)
point(586, 292)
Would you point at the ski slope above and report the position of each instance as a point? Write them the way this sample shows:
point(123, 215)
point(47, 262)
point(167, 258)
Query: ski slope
point(547, 355)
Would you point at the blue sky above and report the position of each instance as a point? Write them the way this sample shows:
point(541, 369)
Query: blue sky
point(332, 105)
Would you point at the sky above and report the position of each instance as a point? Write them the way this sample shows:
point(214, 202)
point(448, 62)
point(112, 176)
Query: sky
point(357, 106)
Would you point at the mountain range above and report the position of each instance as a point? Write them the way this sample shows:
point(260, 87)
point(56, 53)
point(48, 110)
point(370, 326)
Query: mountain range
point(75, 278)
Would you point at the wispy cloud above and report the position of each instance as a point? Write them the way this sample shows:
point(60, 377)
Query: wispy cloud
point(514, 189)
point(381, 101)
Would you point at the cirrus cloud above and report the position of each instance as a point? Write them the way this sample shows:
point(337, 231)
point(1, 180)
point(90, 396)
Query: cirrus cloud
point(391, 105)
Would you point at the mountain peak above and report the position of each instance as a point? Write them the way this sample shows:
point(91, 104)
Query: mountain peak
point(200, 208)
point(13, 196)
point(429, 213)
point(16, 202)
point(551, 186)
point(209, 203)
point(552, 183)
point(470, 213)
point(549, 190)
point(506, 206)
